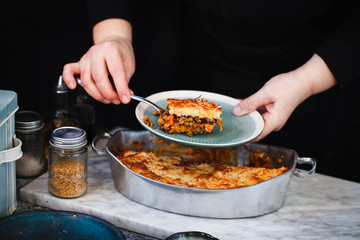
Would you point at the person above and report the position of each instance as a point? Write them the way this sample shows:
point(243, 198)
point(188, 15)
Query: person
point(291, 61)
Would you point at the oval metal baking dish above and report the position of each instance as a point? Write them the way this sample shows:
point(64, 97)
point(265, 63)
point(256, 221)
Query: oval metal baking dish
point(255, 200)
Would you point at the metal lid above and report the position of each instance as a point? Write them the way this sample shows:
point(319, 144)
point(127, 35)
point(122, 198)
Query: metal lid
point(68, 137)
point(28, 121)
point(61, 86)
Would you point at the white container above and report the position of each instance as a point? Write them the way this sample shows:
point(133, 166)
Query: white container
point(10, 151)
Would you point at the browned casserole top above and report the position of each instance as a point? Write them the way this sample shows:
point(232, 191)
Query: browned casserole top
point(194, 107)
point(197, 173)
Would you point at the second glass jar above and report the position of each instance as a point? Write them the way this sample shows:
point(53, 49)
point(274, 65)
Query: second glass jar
point(29, 128)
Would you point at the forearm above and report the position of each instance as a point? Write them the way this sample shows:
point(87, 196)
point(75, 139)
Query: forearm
point(111, 29)
point(316, 75)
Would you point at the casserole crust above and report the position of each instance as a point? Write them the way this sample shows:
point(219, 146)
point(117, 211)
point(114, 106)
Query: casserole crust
point(190, 116)
point(197, 173)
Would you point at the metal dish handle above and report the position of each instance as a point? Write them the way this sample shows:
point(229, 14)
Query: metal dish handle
point(97, 138)
point(303, 173)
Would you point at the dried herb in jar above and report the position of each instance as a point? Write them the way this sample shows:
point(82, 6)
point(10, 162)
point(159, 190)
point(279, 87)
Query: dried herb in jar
point(67, 178)
point(68, 162)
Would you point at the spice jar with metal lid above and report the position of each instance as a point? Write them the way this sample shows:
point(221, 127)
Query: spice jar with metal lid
point(68, 162)
point(29, 128)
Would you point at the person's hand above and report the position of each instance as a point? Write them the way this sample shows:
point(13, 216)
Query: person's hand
point(275, 101)
point(111, 54)
point(114, 56)
point(279, 97)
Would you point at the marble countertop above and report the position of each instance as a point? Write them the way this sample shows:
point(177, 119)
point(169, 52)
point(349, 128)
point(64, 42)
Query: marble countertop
point(316, 207)
point(29, 207)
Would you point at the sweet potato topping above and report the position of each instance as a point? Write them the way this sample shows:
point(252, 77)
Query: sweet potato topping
point(194, 107)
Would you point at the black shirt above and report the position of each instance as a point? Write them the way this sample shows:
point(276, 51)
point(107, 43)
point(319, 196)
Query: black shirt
point(247, 42)
point(233, 47)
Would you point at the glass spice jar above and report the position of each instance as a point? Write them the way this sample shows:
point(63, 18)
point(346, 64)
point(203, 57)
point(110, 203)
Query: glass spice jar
point(29, 128)
point(68, 162)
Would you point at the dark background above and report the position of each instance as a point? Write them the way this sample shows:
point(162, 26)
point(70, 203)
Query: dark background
point(40, 37)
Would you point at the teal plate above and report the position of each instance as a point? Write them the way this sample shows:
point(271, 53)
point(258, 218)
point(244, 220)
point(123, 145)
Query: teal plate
point(236, 130)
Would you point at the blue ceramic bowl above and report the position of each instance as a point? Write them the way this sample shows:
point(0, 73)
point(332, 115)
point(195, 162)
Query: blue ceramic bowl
point(56, 225)
point(191, 236)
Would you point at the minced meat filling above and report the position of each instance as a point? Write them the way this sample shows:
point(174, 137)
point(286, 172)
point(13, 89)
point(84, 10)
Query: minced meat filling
point(172, 123)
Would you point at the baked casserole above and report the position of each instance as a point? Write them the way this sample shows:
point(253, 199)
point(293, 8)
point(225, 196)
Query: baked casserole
point(204, 172)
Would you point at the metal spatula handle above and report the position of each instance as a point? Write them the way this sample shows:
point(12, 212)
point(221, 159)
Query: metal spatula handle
point(144, 100)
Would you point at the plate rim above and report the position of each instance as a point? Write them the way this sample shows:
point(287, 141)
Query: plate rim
point(255, 115)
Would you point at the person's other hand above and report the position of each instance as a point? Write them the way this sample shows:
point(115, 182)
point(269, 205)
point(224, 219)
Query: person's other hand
point(111, 54)
point(275, 101)
point(279, 97)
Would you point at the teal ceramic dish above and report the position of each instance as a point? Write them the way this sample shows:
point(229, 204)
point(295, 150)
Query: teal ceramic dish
point(236, 130)
point(56, 225)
